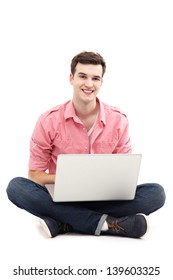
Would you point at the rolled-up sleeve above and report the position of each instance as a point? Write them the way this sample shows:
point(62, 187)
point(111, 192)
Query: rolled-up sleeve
point(124, 143)
point(40, 146)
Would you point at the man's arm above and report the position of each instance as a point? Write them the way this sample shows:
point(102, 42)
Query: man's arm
point(41, 177)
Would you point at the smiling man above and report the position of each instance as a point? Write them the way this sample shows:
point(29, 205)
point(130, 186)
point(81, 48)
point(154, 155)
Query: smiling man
point(86, 82)
point(83, 125)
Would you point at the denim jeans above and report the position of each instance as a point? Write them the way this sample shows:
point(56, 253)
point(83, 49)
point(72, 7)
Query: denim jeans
point(85, 217)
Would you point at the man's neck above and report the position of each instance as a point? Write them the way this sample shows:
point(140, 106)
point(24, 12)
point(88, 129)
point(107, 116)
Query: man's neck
point(86, 110)
point(87, 114)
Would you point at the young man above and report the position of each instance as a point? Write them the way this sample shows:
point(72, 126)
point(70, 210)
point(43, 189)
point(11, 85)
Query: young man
point(82, 125)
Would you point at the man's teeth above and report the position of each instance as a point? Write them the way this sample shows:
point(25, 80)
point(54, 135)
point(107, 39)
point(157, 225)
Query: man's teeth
point(88, 91)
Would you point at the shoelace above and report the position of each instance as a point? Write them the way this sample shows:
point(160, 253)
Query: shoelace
point(115, 227)
point(66, 228)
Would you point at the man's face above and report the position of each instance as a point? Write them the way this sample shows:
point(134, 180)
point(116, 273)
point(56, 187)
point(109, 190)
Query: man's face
point(86, 82)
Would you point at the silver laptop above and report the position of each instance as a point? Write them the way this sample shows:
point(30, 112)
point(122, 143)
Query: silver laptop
point(93, 177)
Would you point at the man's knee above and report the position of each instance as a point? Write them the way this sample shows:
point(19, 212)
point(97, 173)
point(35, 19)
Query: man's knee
point(158, 197)
point(152, 197)
point(14, 186)
point(160, 194)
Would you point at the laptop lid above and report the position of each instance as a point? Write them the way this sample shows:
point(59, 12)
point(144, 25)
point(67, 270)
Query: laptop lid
point(93, 177)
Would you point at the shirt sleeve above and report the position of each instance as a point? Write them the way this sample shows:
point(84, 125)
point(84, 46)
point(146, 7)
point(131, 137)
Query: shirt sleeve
point(40, 146)
point(124, 143)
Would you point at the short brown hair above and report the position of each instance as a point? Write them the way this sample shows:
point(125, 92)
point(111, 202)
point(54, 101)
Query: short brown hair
point(88, 58)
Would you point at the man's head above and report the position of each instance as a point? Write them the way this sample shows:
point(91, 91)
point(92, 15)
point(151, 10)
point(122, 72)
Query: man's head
point(88, 58)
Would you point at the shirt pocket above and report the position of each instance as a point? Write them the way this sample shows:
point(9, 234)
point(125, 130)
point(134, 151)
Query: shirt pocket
point(66, 146)
point(104, 147)
point(61, 146)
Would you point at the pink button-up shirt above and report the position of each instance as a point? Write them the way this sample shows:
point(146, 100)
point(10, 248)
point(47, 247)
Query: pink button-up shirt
point(60, 131)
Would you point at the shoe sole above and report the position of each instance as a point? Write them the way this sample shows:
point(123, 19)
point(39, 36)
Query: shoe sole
point(147, 222)
point(45, 227)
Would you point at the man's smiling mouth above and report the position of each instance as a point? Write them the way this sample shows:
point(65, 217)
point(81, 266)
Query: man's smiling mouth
point(87, 91)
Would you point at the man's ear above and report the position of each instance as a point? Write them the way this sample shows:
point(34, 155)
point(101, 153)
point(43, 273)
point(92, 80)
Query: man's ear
point(71, 78)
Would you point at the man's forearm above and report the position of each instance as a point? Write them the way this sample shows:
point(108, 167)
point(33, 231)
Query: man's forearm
point(41, 177)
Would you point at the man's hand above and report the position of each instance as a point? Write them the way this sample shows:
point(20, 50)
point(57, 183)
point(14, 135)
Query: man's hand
point(41, 177)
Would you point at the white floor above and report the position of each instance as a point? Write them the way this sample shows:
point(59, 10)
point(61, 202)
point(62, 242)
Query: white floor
point(24, 244)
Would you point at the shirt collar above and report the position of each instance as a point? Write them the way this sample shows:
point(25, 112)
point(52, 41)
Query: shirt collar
point(70, 112)
point(102, 115)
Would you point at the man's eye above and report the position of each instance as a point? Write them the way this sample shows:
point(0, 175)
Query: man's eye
point(82, 77)
point(96, 79)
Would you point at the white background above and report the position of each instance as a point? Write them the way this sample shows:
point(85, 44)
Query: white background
point(38, 41)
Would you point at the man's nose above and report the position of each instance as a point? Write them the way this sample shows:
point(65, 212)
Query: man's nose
point(89, 83)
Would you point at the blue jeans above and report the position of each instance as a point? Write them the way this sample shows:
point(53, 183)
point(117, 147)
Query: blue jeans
point(85, 217)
